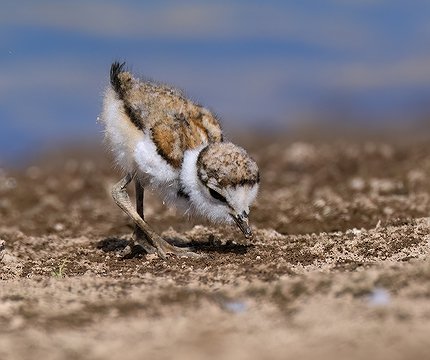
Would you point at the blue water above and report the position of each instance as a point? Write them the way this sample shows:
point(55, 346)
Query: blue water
point(259, 65)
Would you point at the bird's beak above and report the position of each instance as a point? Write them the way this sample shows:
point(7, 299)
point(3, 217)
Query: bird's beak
point(243, 224)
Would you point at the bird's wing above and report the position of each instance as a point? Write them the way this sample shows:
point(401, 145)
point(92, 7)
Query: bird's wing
point(179, 131)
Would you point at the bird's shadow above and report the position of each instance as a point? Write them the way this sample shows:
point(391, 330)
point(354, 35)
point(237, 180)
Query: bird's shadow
point(112, 244)
point(210, 245)
point(116, 244)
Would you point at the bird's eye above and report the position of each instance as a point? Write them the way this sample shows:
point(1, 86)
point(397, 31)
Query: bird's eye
point(217, 195)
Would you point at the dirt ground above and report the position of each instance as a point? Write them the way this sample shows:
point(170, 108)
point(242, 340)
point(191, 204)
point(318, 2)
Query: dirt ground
point(339, 266)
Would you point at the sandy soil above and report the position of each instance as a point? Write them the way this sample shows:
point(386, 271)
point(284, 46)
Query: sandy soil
point(339, 266)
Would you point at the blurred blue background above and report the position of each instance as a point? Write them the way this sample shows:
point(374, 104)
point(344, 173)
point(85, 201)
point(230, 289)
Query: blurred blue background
point(261, 65)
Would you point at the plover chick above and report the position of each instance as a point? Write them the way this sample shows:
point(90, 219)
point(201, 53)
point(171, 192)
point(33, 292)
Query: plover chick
point(164, 141)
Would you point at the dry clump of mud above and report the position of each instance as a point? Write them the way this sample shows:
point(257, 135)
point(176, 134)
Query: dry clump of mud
point(338, 267)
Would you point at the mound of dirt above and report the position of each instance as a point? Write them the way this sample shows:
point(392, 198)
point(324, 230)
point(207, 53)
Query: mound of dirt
point(339, 266)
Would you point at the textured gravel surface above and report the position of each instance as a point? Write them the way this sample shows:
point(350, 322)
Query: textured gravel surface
point(339, 266)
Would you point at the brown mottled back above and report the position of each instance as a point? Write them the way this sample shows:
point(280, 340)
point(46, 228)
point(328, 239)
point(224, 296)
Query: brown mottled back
point(174, 123)
point(188, 129)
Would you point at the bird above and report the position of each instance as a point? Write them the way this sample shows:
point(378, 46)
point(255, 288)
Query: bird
point(165, 142)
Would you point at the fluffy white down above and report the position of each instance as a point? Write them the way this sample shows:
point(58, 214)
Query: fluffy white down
point(151, 163)
point(121, 135)
point(157, 173)
point(240, 198)
point(132, 148)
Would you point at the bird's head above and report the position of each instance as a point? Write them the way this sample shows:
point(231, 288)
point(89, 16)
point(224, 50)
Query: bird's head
point(222, 182)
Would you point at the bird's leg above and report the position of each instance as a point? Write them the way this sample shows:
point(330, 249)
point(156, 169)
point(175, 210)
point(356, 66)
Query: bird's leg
point(139, 236)
point(122, 199)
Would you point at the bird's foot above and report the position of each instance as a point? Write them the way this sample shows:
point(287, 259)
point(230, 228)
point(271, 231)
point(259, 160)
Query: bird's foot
point(137, 245)
point(140, 239)
point(163, 248)
point(143, 244)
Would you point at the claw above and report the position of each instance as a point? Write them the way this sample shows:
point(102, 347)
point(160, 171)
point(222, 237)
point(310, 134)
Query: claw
point(164, 248)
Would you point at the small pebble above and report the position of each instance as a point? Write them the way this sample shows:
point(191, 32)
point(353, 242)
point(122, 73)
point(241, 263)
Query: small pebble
point(58, 227)
point(235, 306)
point(379, 297)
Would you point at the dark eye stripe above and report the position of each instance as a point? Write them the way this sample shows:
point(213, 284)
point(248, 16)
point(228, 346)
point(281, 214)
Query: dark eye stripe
point(217, 195)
